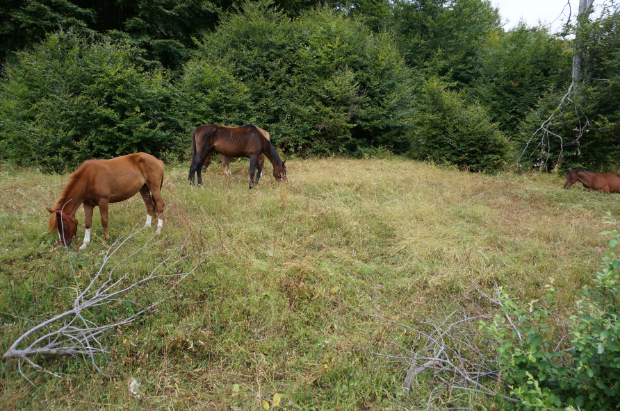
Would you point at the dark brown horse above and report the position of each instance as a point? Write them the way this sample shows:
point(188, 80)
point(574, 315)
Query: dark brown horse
point(100, 182)
point(226, 160)
point(604, 183)
point(244, 141)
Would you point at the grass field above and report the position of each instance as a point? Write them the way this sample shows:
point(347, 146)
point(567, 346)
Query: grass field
point(268, 311)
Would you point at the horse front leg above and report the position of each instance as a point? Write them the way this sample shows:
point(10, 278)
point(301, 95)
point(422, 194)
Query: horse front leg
point(261, 163)
point(252, 170)
point(103, 210)
point(259, 171)
point(88, 222)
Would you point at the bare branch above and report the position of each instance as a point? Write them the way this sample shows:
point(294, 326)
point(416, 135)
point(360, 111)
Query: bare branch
point(74, 332)
point(458, 355)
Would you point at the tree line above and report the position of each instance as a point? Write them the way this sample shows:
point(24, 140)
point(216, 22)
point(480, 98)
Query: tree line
point(437, 80)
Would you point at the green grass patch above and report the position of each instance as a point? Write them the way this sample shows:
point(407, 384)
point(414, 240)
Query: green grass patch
point(263, 315)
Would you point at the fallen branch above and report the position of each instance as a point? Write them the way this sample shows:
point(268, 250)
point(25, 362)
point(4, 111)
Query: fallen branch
point(74, 332)
point(459, 356)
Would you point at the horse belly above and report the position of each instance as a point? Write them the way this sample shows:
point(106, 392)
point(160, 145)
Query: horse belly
point(230, 149)
point(122, 192)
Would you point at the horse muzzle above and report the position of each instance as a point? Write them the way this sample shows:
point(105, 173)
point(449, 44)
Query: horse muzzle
point(66, 242)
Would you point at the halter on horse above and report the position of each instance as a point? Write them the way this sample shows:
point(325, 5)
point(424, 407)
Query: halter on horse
point(97, 183)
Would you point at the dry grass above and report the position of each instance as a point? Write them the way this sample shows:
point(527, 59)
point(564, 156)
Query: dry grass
point(405, 240)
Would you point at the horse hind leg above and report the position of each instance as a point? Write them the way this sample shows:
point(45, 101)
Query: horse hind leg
point(145, 192)
point(225, 165)
point(154, 204)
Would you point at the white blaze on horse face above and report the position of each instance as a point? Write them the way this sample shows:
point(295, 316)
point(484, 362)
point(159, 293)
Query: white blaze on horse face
point(148, 220)
point(160, 224)
point(86, 239)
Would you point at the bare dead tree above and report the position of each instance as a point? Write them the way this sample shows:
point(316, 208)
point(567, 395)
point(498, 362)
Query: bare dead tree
point(75, 332)
point(544, 133)
point(460, 359)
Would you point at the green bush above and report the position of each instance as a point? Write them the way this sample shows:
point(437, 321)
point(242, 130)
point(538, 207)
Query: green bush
point(517, 68)
point(448, 130)
point(548, 372)
point(71, 99)
point(320, 83)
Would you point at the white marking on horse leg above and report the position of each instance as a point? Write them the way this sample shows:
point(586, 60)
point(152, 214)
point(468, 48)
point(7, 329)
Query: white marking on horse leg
point(86, 239)
point(148, 220)
point(160, 224)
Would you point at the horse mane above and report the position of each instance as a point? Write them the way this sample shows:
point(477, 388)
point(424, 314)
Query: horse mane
point(274, 154)
point(73, 178)
point(272, 149)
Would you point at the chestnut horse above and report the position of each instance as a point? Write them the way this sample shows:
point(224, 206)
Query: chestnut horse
point(604, 183)
point(226, 161)
point(244, 141)
point(100, 182)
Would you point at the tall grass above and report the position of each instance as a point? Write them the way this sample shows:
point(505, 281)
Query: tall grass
point(405, 240)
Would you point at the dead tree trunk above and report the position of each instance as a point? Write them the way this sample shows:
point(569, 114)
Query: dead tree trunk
point(572, 95)
point(584, 9)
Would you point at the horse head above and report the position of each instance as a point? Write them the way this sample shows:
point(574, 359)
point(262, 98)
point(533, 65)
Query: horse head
point(571, 178)
point(279, 172)
point(64, 224)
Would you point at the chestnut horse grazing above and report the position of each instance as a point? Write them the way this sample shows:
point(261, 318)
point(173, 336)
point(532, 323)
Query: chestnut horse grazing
point(244, 141)
point(604, 183)
point(226, 161)
point(100, 182)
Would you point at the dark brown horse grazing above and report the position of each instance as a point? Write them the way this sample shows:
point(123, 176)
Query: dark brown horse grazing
point(604, 183)
point(244, 141)
point(100, 182)
point(226, 160)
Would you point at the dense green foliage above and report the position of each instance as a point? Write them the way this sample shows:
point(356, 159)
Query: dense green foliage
point(320, 83)
point(584, 372)
point(72, 99)
point(517, 68)
point(445, 37)
point(163, 30)
point(449, 130)
point(341, 78)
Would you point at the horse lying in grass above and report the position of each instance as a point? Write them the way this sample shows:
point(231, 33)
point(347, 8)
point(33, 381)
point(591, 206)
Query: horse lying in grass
point(226, 160)
point(603, 183)
point(244, 141)
point(101, 182)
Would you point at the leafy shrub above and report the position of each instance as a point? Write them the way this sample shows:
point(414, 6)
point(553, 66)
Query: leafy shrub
point(547, 373)
point(71, 99)
point(320, 83)
point(447, 129)
point(517, 68)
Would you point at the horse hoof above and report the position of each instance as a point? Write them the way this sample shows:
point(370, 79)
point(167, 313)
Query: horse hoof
point(83, 247)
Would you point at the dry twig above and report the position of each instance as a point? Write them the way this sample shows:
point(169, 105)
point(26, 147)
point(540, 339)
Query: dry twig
point(460, 358)
point(75, 332)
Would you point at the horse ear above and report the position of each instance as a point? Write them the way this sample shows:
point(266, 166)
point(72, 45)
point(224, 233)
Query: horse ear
point(283, 162)
point(50, 210)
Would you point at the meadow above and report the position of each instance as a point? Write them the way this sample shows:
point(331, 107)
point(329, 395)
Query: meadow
point(290, 272)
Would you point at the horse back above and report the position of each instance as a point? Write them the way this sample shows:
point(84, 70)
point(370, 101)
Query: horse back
point(120, 178)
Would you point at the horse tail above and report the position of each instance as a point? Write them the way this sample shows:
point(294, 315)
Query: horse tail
point(194, 142)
